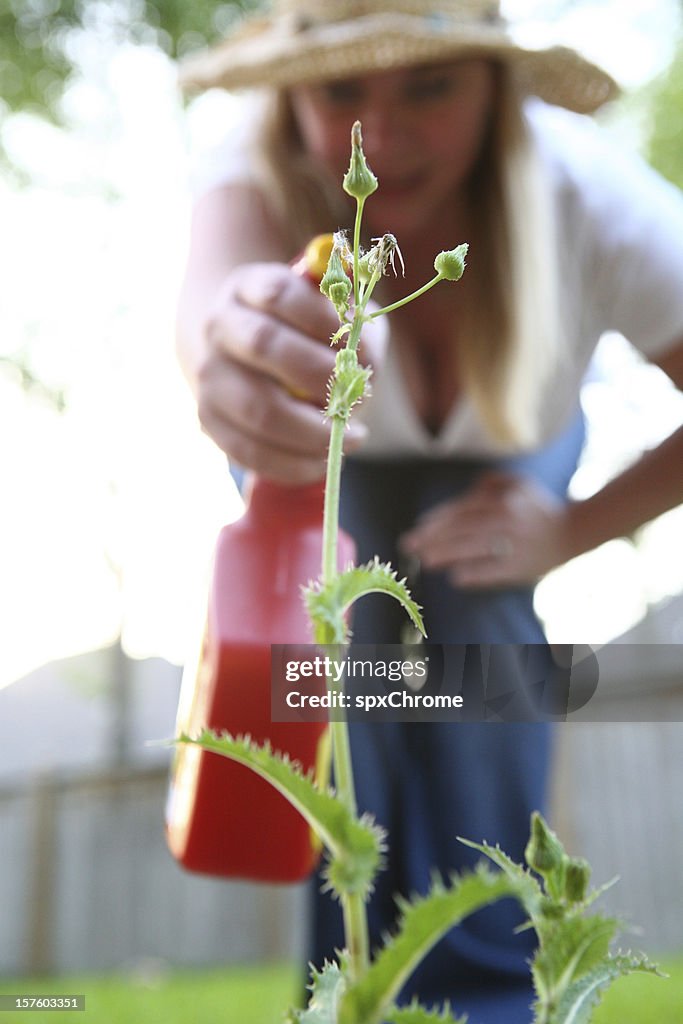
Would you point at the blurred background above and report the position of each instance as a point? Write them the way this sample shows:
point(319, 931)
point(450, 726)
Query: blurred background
point(112, 498)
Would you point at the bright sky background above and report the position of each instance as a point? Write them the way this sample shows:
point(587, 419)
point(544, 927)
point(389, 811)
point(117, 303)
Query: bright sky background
point(631, 39)
point(110, 509)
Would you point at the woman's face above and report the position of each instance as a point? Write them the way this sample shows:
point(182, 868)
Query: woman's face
point(423, 129)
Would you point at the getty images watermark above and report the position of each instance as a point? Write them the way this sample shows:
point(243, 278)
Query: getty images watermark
point(461, 683)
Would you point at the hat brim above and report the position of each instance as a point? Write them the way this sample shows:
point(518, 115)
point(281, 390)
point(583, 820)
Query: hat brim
point(265, 55)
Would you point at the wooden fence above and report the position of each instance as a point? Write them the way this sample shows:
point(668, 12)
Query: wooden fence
point(87, 884)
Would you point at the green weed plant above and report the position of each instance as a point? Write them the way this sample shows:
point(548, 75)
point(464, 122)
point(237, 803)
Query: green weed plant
point(573, 963)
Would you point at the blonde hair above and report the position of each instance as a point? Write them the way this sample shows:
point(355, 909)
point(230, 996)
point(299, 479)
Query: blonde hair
point(509, 333)
point(300, 193)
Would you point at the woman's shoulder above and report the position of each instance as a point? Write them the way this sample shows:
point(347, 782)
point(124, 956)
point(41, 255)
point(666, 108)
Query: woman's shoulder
point(620, 230)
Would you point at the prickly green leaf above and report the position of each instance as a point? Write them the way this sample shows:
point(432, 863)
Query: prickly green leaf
point(423, 922)
point(578, 1002)
point(338, 335)
point(416, 1014)
point(347, 386)
point(527, 890)
point(327, 603)
point(377, 577)
point(572, 947)
point(572, 962)
point(353, 871)
point(326, 989)
point(354, 844)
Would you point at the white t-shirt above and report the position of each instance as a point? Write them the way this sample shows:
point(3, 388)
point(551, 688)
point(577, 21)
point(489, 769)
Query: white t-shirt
point(620, 239)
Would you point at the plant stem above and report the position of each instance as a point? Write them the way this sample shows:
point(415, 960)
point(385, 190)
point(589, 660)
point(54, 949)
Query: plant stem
point(353, 905)
point(354, 335)
point(408, 298)
point(333, 478)
point(356, 252)
point(331, 506)
point(369, 288)
point(356, 933)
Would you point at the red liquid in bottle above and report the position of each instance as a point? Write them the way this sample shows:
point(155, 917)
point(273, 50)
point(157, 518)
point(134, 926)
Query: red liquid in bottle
point(223, 819)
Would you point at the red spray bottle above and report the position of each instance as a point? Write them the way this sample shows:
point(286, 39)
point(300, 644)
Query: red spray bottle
point(221, 818)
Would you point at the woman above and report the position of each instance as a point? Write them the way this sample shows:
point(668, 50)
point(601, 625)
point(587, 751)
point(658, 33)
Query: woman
point(462, 460)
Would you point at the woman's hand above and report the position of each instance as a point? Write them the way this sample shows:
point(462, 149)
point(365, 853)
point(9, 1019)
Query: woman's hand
point(262, 381)
point(506, 530)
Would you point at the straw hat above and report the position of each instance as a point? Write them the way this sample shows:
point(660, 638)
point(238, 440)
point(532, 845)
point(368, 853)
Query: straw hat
point(317, 40)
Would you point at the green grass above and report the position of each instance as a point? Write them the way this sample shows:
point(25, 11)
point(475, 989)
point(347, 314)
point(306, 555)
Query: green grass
point(248, 995)
point(260, 995)
point(643, 999)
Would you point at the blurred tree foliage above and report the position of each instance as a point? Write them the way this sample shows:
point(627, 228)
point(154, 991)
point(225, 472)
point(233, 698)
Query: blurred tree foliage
point(38, 53)
point(665, 142)
point(37, 38)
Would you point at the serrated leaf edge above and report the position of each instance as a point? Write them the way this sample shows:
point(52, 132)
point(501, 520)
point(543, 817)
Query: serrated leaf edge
point(354, 841)
point(584, 994)
point(329, 601)
point(367, 1000)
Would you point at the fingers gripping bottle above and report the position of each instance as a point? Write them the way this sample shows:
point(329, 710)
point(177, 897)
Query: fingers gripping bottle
point(221, 818)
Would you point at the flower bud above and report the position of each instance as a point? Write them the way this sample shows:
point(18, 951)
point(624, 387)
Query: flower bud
point(451, 264)
point(544, 851)
point(339, 297)
point(347, 386)
point(576, 878)
point(364, 266)
point(359, 181)
point(335, 283)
